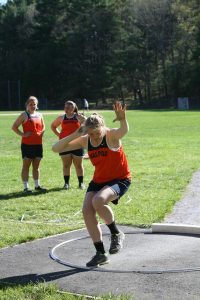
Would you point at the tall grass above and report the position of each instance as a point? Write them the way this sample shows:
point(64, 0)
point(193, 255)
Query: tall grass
point(162, 148)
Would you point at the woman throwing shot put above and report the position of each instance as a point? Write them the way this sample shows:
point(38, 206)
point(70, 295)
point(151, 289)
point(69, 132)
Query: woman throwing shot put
point(111, 177)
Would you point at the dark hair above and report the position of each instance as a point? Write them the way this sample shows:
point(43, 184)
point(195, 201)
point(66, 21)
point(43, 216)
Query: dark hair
point(73, 104)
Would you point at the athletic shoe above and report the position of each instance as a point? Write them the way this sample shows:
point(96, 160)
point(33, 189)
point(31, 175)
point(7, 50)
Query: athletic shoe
point(66, 186)
point(98, 259)
point(27, 191)
point(40, 189)
point(81, 186)
point(116, 242)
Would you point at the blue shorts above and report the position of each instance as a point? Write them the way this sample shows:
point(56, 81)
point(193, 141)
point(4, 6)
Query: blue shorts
point(78, 152)
point(31, 151)
point(120, 187)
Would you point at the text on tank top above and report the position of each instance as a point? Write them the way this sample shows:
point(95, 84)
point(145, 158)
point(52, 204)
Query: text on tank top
point(110, 164)
point(68, 126)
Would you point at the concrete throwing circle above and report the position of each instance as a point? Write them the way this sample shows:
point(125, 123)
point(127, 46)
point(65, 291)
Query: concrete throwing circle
point(144, 252)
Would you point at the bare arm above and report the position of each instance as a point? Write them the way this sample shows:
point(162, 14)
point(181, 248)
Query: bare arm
point(55, 124)
point(43, 125)
point(18, 122)
point(74, 141)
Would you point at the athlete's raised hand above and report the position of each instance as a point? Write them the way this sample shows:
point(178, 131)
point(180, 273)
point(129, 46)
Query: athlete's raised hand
point(119, 111)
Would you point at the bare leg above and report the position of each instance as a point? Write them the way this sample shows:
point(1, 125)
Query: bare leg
point(97, 202)
point(78, 165)
point(90, 218)
point(66, 161)
point(36, 170)
point(100, 201)
point(25, 169)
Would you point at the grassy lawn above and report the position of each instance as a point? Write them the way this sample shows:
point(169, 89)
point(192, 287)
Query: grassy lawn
point(35, 292)
point(162, 148)
point(48, 292)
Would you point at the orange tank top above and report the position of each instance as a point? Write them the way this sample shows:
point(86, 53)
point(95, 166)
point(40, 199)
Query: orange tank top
point(33, 124)
point(109, 164)
point(68, 126)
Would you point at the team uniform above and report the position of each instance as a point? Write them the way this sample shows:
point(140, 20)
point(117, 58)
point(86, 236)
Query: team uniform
point(111, 168)
point(68, 126)
point(31, 146)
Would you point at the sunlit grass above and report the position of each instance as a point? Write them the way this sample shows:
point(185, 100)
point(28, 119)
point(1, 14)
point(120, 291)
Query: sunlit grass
point(162, 149)
point(43, 291)
point(163, 152)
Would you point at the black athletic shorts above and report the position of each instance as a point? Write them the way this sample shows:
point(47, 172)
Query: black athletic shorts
point(120, 187)
point(32, 151)
point(78, 152)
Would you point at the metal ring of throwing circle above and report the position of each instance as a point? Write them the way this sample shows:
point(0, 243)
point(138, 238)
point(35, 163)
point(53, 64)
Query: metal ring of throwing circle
point(53, 256)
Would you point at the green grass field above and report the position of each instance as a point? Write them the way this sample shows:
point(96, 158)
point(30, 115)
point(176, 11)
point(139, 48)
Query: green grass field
point(162, 148)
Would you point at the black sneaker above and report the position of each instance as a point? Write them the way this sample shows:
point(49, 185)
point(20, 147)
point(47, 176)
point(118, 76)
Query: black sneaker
point(40, 189)
point(98, 259)
point(116, 242)
point(66, 186)
point(27, 191)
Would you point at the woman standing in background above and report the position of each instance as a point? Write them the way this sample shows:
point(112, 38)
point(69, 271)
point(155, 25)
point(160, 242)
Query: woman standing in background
point(31, 145)
point(70, 122)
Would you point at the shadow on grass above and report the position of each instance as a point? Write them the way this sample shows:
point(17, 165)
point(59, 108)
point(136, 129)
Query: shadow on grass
point(37, 278)
point(22, 194)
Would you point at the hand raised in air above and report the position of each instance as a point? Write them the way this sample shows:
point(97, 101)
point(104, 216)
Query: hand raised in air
point(119, 111)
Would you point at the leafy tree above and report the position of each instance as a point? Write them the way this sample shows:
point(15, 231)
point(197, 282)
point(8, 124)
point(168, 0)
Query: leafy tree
point(144, 50)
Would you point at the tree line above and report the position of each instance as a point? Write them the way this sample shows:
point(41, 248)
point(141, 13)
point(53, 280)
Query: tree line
point(144, 52)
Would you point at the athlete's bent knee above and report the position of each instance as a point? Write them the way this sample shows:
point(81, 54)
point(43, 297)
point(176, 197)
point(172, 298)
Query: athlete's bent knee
point(98, 202)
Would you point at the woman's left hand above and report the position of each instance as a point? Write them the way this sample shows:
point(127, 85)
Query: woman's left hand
point(81, 118)
point(82, 129)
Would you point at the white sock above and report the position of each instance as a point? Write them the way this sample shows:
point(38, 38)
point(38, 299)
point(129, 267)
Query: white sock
point(26, 186)
point(37, 183)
